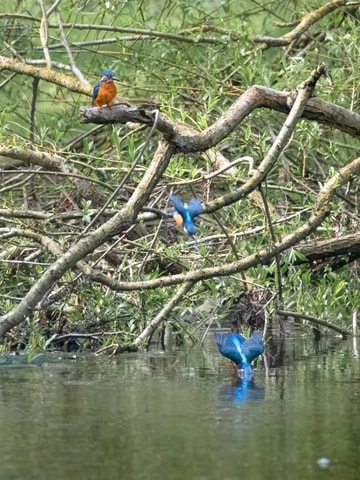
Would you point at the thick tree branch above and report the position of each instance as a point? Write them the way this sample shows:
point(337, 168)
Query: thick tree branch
point(184, 137)
point(187, 140)
point(121, 221)
point(45, 74)
point(345, 245)
point(319, 212)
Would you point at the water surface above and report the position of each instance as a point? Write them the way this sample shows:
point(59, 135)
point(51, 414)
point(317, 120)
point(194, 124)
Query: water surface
point(183, 416)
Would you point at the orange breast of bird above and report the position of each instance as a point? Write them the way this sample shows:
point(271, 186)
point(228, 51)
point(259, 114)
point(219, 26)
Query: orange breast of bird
point(107, 93)
point(178, 219)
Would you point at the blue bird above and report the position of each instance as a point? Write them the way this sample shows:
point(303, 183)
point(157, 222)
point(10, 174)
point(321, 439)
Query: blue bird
point(240, 350)
point(184, 214)
point(105, 91)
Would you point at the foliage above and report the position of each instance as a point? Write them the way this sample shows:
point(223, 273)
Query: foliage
point(193, 59)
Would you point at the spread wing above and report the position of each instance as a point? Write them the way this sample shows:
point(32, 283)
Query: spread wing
point(230, 346)
point(178, 204)
point(194, 207)
point(253, 347)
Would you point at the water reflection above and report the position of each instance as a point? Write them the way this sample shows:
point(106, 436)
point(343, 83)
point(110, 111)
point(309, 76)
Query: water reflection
point(183, 416)
point(241, 391)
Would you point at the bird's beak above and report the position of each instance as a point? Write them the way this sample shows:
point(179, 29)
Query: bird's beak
point(115, 78)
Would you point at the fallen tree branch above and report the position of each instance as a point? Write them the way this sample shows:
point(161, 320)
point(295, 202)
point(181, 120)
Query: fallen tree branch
point(120, 222)
point(309, 318)
point(319, 212)
point(188, 140)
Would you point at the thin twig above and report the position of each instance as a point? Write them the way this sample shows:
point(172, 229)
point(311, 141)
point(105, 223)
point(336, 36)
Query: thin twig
point(35, 89)
point(73, 65)
point(302, 26)
point(273, 240)
point(44, 35)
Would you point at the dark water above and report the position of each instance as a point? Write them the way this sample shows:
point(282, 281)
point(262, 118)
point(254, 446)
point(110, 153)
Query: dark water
point(179, 416)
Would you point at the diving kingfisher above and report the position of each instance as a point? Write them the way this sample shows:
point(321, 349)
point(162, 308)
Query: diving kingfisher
point(105, 91)
point(184, 214)
point(239, 350)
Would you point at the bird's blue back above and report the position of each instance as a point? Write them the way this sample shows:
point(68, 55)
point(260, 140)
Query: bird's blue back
point(238, 349)
point(188, 213)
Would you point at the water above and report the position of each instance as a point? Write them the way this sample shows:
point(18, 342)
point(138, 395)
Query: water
point(182, 416)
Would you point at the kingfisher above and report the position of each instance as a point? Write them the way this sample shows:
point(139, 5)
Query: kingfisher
point(105, 91)
point(184, 214)
point(239, 350)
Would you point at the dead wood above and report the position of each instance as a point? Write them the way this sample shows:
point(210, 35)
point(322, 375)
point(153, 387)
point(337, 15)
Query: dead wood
point(188, 140)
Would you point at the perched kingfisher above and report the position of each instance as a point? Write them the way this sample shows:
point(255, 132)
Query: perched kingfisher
point(104, 91)
point(184, 214)
point(240, 350)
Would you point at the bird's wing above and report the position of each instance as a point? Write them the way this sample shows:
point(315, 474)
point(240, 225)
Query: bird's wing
point(95, 92)
point(253, 347)
point(194, 207)
point(178, 204)
point(230, 346)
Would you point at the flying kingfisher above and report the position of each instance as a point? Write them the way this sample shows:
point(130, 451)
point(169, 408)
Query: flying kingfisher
point(105, 91)
point(184, 214)
point(239, 350)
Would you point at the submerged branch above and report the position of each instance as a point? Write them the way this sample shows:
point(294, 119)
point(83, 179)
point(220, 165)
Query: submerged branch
point(309, 318)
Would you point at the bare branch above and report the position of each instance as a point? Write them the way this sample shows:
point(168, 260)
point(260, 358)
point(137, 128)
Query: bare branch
point(319, 212)
point(315, 320)
point(44, 35)
point(164, 312)
point(303, 26)
point(121, 221)
point(74, 68)
point(189, 140)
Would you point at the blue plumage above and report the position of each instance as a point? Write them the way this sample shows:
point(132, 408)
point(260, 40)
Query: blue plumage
point(95, 92)
point(106, 76)
point(238, 349)
point(109, 74)
point(184, 214)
